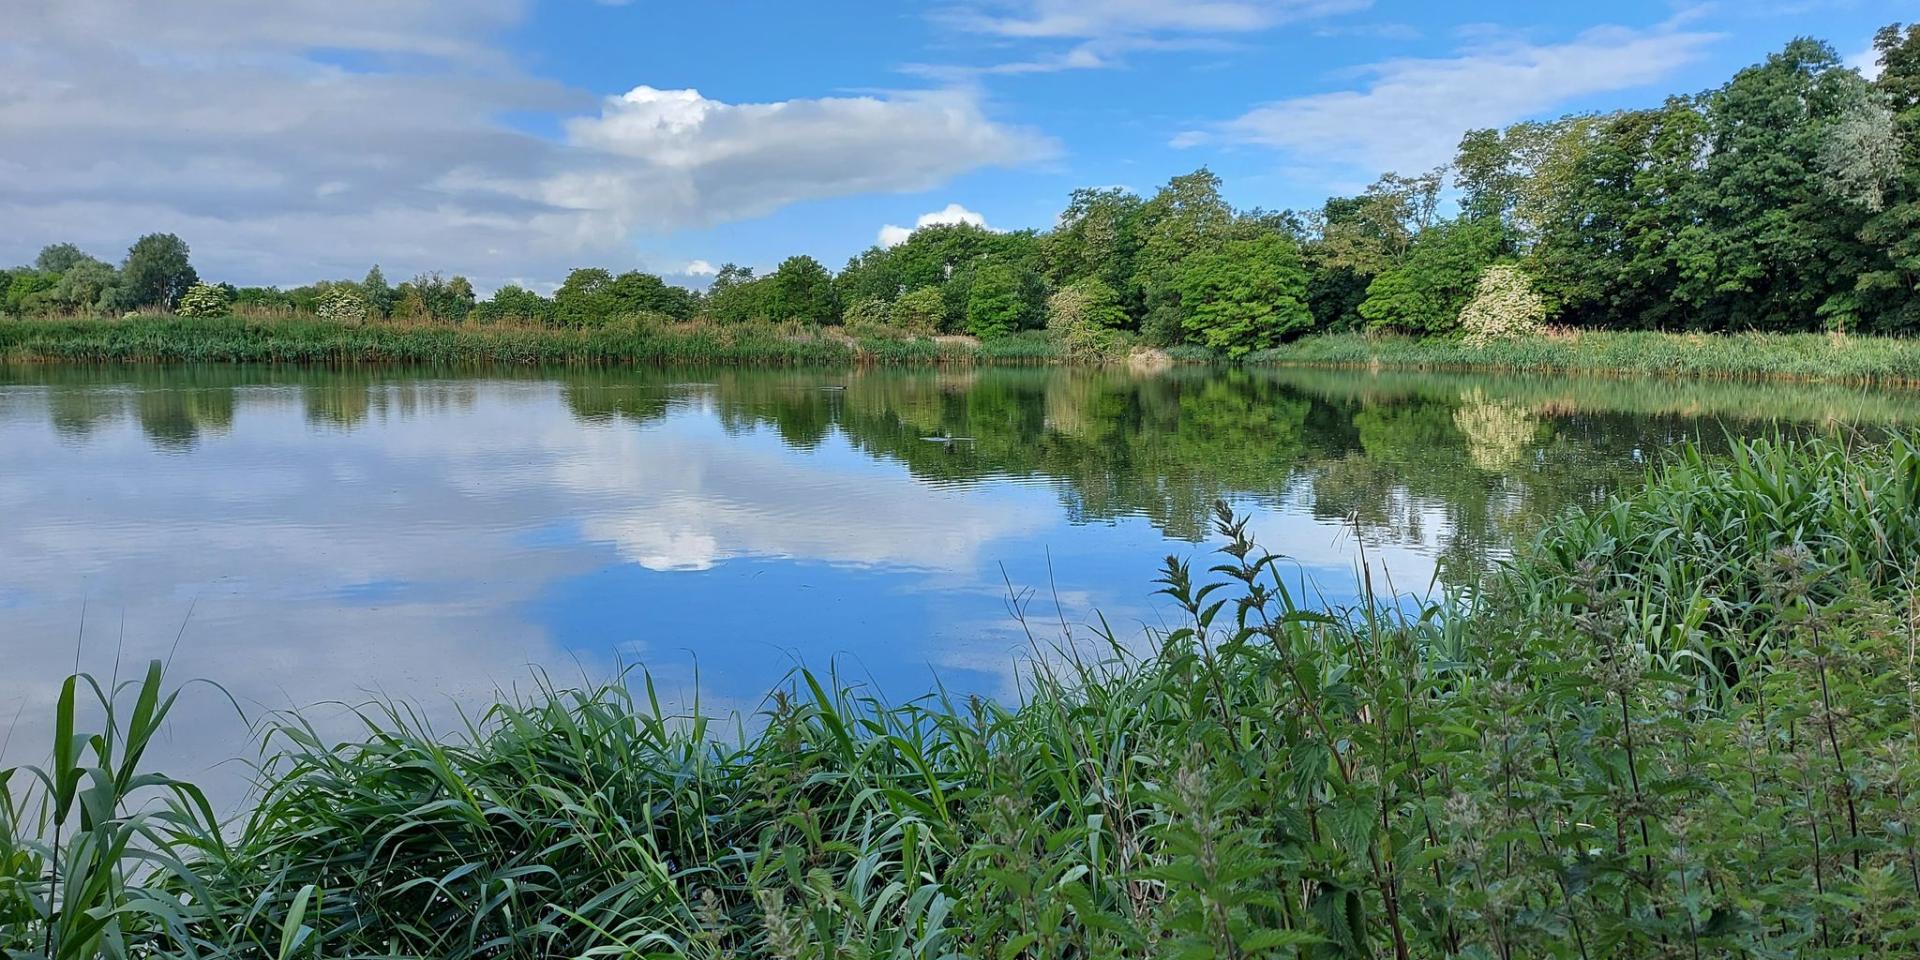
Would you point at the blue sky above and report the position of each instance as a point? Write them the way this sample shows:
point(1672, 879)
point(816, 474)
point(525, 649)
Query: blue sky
point(512, 139)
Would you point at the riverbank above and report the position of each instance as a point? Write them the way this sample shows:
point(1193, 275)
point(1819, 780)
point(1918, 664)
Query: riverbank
point(1588, 760)
point(1742, 356)
point(169, 339)
point(1812, 358)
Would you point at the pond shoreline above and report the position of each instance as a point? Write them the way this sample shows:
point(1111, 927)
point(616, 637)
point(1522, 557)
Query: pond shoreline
point(1432, 764)
point(1758, 357)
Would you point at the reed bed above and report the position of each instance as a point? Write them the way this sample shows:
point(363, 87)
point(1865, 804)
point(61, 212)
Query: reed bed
point(1680, 725)
point(270, 337)
point(1745, 356)
point(304, 340)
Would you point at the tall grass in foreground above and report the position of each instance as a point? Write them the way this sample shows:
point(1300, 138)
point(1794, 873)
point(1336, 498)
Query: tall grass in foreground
point(1551, 769)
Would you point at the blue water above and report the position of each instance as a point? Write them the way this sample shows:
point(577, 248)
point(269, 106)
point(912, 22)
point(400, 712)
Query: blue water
point(301, 537)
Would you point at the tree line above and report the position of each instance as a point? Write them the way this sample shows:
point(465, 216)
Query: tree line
point(1786, 199)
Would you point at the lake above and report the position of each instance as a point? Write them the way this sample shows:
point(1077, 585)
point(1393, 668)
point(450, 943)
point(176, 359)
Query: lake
point(300, 536)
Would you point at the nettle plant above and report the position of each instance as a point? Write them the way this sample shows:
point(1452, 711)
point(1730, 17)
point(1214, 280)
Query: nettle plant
point(1683, 724)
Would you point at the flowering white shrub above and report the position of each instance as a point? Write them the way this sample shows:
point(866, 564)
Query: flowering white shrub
point(204, 300)
point(1504, 307)
point(342, 304)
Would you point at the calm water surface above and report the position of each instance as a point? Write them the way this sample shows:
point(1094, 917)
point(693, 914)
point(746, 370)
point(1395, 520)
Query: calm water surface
point(305, 536)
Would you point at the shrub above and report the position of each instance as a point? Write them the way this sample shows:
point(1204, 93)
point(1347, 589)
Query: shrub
point(1504, 307)
point(205, 300)
point(1084, 318)
point(871, 319)
point(342, 304)
point(920, 311)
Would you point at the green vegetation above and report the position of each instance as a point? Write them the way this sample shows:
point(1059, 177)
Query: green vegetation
point(1802, 356)
point(340, 339)
point(1497, 456)
point(1678, 724)
point(1784, 200)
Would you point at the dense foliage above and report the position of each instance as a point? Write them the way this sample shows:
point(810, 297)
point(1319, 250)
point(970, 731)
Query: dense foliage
point(1787, 199)
point(1589, 759)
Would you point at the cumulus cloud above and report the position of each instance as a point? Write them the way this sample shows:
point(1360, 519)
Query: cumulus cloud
point(699, 268)
point(952, 213)
point(238, 128)
point(691, 159)
point(1408, 114)
point(1867, 62)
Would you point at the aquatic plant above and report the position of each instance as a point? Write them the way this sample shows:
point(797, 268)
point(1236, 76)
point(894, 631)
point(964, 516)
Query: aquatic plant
point(1537, 770)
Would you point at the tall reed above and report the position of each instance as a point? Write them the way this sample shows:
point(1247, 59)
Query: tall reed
point(1539, 770)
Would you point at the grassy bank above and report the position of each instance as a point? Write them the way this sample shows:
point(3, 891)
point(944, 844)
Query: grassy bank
point(167, 339)
point(1678, 725)
point(1749, 356)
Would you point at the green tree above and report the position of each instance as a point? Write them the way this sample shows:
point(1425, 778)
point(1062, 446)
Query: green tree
point(591, 296)
point(430, 297)
point(1604, 252)
point(157, 271)
point(86, 285)
point(736, 295)
point(1186, 216)
point(581, 300)
point(515, 304)
point(920, 311)
point(61, 257)
point(1097, 237)
point(459, 299)
point(378, 294)
point(873, 274)
point(1244, 295)
point(28, 291)
point(1085, 317)
point(801, 289)
point(1770, 247)
point(1522, 174)
point(1002, 298)
point(633, 293)
point(1889, 286)
point(1424, 292)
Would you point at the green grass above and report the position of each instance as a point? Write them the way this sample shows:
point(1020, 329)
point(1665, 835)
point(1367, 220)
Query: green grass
point(1800, 356)
point(168, 339)
point(1679, 725)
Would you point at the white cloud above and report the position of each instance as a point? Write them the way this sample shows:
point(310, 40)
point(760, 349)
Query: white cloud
point(1867, 62)
point(237, 129)
point(1410, 113)
point(1093, 19)
point(1102, 32)
point(952, 213)
point(309, 521)
point(677, 157)
point(699, 268)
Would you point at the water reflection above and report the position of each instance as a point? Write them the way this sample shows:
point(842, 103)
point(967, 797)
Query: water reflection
point(432, 533)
